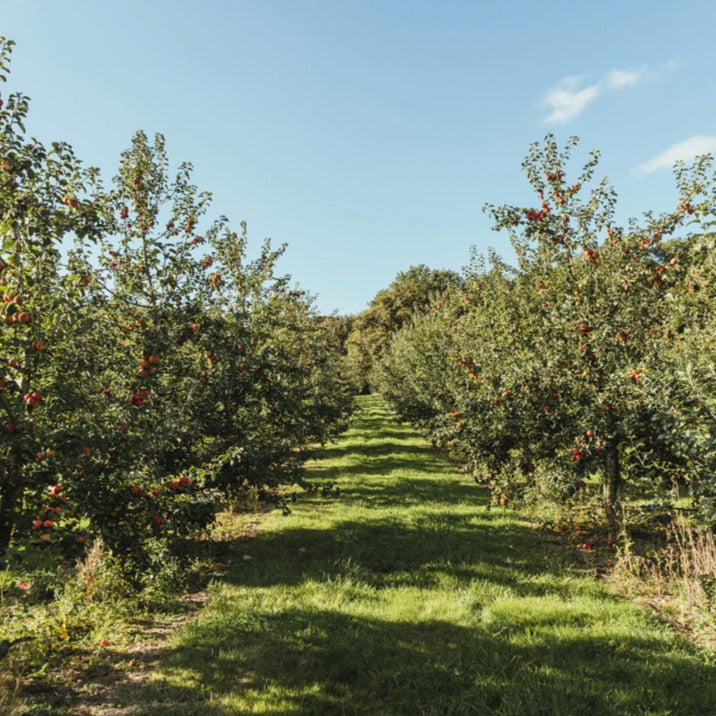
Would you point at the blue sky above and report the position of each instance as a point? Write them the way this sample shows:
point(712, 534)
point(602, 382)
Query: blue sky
point(367, 135)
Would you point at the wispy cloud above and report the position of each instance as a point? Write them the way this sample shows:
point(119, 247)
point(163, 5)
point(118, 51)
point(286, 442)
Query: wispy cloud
point(681, 151)
point(568, 98)
point(621, 79)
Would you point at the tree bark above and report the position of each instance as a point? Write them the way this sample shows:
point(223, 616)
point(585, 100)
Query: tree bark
point(8, 502)
point(610, 486)
point(10, 491)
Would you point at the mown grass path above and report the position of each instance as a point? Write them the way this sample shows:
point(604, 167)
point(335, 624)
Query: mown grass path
point(406, 595)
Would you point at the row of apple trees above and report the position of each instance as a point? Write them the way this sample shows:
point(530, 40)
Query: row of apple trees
point(591, 365)
point(150, 370)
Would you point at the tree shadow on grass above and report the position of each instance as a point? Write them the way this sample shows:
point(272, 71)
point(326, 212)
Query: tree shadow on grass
point(387, 553)
point(384, 426)
point(388, 465)
point(384, 459)
point(282, 657)
point(368, 447)
point(393, 448)
point(404, 492)
point(322, 661)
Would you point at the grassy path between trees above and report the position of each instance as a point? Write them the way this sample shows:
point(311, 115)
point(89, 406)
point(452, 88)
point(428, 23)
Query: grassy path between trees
point(406, 595)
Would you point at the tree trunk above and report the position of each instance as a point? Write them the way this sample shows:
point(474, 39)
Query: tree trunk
point(10, 491)
point(610, 485)
point(8, 502)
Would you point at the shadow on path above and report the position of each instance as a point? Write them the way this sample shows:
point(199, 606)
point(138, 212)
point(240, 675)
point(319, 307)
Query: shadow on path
point(258, 640)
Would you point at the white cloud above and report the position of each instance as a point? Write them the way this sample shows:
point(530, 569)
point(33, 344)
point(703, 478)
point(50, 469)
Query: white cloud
point(621, 79)
point(568, 98)
point(566, 101)
point(681, 151)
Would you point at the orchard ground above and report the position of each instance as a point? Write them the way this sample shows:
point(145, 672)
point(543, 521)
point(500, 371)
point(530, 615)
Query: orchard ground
point(400, 592)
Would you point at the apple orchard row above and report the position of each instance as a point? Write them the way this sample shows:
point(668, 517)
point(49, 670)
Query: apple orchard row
point(589, 369)
point(152, 370)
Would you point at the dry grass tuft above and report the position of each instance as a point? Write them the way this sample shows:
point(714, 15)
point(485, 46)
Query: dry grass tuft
point(677, 579)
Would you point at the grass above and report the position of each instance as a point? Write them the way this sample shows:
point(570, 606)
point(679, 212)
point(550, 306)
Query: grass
point(677, 577)
point(406, 594)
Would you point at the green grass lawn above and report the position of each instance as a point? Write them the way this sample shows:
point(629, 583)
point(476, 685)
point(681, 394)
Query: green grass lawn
point(406, 595)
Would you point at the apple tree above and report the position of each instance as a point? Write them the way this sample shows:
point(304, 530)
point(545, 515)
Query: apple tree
point(554, 369)
point(45, 196)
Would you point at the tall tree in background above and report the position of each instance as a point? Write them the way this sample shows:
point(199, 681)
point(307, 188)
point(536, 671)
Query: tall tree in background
point(411, 293)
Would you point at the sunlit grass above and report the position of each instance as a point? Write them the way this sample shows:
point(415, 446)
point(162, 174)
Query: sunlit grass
point(405, 594)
